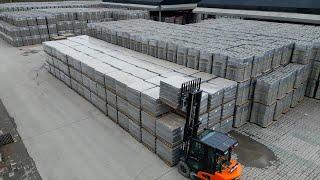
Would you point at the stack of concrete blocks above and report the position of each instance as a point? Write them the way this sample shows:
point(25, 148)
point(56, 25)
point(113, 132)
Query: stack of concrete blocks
point(276, 92)
point(126, 87)
point(241, 50)
point(169, 138)
point(25, 6)
point(313, 88)
point(217, 107)
point(36, 26)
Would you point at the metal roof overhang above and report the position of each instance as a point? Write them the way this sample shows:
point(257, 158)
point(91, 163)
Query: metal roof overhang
point(157, 5)
point(263, 15)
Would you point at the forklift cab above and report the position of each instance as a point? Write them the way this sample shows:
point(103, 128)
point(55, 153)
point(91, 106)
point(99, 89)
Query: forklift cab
point(209, 157)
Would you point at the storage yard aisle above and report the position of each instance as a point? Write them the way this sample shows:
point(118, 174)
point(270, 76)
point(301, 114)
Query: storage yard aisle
point(67, 137)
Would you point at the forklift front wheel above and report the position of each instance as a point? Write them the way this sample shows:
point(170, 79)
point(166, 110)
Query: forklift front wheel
point(184, 169)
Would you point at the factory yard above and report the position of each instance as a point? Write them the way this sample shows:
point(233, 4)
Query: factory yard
point(68, 138)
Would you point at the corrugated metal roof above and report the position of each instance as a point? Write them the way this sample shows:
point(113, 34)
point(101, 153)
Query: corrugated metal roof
point(154, 2)
point(299, 6)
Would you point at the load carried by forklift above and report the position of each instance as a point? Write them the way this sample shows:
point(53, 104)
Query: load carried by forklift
point(208, 155)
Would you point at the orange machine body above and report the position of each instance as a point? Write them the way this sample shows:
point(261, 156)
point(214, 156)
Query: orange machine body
point(232, 172)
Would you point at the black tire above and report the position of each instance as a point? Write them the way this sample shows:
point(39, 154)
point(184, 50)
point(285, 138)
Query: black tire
point(184, 169)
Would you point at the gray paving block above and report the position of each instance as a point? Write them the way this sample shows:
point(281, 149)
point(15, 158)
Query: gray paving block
point(134, 92)
point(148, 140)
point(122, 105)
point(242, 114)
point(112, 113)
point(170, 155)
point(215, 116)
point(123, 121)
point(169, 128)
point(134, 129)
point(262, 115)
point(150, 102)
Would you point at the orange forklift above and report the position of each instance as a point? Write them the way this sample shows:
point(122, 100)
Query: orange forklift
point(206, 156)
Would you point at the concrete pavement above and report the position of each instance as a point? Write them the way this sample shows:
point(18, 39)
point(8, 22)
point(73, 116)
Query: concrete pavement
point(68, 138)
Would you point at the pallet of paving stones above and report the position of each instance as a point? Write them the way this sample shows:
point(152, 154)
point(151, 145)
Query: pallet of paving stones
point(36, 26)
point(276, 92)
point(126, 87)
point(242, 50)
point(24, 6)
point(183, 50)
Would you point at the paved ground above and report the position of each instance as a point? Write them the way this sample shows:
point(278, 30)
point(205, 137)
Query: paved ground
point(69, 139)
point(15, 161)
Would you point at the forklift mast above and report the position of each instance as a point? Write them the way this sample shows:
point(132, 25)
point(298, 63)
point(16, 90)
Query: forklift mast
point(190, 101)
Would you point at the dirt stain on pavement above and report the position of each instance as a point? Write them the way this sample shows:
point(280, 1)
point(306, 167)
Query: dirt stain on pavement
point(28, 52)
point(251, 153)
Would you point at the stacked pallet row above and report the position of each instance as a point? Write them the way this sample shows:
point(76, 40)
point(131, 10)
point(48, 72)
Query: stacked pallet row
point(24, 6)
point(126, 86)
point(234, 56)
point(36, 26)
point(313, 88)
point(217, 103)
point(305, 37)
point(276, 92)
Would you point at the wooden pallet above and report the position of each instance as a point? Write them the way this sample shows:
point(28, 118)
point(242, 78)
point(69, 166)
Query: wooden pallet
point(148, 147)
point(169, 144)
point(56, 38)
point(170, 164)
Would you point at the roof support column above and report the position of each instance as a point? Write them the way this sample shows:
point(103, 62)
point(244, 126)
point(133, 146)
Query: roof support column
point(159, 13)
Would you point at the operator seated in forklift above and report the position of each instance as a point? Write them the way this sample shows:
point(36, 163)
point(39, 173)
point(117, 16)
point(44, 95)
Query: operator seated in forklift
point(206, 156)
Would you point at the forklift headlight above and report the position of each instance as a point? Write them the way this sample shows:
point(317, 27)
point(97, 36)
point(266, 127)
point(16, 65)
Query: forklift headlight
point(233, 168)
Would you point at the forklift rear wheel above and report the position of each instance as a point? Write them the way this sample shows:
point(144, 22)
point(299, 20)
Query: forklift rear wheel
point(184, 169)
